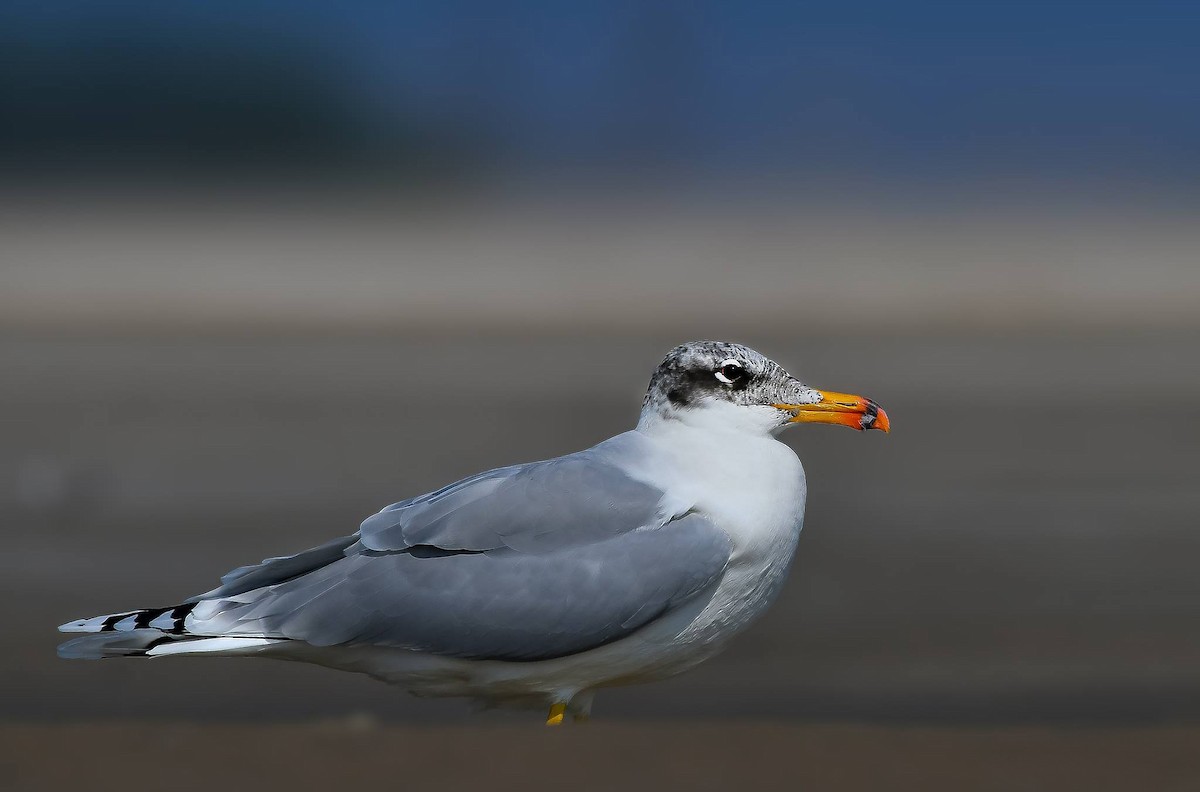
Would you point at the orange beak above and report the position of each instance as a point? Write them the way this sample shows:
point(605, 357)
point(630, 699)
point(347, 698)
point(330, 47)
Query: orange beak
point(845, 409)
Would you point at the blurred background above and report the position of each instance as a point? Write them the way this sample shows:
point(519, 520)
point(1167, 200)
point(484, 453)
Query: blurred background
point(258, 262)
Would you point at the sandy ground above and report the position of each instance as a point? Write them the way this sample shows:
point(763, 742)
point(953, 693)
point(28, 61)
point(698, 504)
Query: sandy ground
point(1004, 588)
point(548, 262)
point(733, 754)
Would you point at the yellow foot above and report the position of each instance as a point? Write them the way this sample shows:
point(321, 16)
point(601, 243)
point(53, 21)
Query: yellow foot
point(557, 711)
point(581, 717)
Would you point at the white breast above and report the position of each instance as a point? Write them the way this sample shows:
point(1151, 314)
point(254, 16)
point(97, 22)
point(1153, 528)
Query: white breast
point(751, 486)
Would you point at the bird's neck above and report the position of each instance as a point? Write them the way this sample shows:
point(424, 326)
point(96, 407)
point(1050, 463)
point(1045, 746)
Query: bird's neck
point(749, 482)
point(713, 438)
point(713, 417)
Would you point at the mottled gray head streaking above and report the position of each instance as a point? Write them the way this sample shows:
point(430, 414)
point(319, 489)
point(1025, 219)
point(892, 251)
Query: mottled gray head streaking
point(699, 373)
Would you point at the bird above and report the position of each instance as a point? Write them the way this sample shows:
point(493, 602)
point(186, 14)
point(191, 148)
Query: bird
point(538, 584)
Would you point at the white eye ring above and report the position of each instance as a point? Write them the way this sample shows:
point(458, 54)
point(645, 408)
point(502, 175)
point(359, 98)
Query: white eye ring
point(724, 363)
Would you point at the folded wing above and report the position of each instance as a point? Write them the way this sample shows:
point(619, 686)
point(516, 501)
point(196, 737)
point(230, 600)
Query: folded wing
point(524, 563)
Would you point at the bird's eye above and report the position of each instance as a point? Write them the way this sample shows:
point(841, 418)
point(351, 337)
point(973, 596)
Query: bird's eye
point(731, 373)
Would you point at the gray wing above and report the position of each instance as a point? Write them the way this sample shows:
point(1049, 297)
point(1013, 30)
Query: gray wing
point(533, 508)
point(523, 563)
point(272, 571)
point(499, 604)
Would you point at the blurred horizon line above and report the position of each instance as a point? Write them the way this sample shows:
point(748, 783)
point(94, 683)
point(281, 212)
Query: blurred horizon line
point(620, 262)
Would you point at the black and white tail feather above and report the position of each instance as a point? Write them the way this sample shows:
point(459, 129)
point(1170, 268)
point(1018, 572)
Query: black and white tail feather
point(153, 632)
point(127, 634)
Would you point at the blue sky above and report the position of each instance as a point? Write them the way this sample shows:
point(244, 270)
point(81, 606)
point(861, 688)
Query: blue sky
point(877, 86)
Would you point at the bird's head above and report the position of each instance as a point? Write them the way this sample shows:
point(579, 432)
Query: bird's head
point(719, 383)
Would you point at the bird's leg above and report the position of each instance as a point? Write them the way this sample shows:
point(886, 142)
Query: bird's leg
point(557, 710)
point(581, 706)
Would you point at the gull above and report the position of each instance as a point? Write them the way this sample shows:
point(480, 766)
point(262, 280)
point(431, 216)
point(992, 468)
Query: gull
point(538, 584)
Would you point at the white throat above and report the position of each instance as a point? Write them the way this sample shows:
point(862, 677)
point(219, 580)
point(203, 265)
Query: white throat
point(715, 415)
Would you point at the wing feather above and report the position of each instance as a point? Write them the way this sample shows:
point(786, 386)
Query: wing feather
point(521, 563)
point(531, 508)
point(499, 604)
